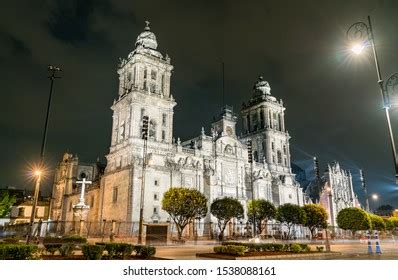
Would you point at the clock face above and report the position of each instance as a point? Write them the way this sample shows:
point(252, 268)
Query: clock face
point(229, 130)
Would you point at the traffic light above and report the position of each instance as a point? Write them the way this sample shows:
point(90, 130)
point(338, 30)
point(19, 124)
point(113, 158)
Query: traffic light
point(249, 151)
point(316, 169)
point(144, 130)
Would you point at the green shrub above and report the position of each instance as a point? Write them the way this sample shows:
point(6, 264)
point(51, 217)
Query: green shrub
point(11, 240)
point(18, 251)
point(144, 251)
point(92, 252)
point(295, 248)
point(235, 250)
point(121, 250)
point(125, 250)
point(305, 248)
point(277, 247)
point(75, 239)
point(269, 247)
point(66, 250)
point(52, 247)
point(50, 239)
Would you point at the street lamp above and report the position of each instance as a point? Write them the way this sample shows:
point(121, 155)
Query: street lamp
point(361, 34)
point(375, 198)
point(363, 184)
point(144, 134)
point(37, 174)
point(250, 159)
point(331, 208)
point(53, 70)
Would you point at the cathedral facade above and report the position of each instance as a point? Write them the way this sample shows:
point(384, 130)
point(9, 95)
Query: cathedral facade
point(214, 163)
point(337, 192)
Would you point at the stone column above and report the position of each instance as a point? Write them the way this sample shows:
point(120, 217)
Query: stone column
point(258, 118)
point(264, 112)
point(167, 84)
point(271, 118)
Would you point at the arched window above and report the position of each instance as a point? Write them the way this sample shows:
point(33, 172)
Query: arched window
point(133, 78)
point(255, 155)
point(279, 155)
point(153, 87)
point(228, 150)
point(153, 75)
point(152, 129)
point(163, 82)
point(145, 82)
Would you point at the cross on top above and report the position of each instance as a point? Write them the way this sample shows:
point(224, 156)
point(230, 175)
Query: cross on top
point(84, 182)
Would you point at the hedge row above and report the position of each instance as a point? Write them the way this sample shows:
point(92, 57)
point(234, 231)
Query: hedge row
point(271, 247)
point(235, 250)
point(116, 251)
point(18, 251)
point(73, 239)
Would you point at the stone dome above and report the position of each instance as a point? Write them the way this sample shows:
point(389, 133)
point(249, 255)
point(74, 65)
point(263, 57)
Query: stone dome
point(147, 39)
point(262, 87)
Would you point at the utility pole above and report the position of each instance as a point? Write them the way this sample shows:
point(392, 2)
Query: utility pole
point(53, 70)
point(317, 179)
point(144, 132)
point(250, 158)
point(363, 184)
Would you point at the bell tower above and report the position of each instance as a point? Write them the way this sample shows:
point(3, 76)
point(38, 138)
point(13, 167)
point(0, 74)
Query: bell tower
point(144, 90)
point(225, 124)
point(264, 123)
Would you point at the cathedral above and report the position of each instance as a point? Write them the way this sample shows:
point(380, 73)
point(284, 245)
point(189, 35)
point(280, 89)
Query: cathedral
point(337, 192)
point(214, 163)
point(334, 189)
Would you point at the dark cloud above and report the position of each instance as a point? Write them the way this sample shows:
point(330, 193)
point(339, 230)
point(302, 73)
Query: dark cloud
point(332, 99)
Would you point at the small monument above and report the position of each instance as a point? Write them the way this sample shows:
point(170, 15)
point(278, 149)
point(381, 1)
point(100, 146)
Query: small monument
point(80, 210)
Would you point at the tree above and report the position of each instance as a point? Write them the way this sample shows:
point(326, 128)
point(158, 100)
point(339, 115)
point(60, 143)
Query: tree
point(353, 219)
point(316, 217)
point(377, 222)
point(224, 209)
point(6, 202)
point(391, 223)
point(263, 211)
point(183, 205)
point(290, 215)
point(385, 210)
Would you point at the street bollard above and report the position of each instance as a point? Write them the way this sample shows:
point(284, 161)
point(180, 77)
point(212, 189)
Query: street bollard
point(370, 251)
point(378, 247)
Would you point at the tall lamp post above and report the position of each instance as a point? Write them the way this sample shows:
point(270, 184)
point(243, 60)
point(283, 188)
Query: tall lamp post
point(144, 132)
point(38, 173)
point(363, 184)
point(250, 157)
point(362, 35)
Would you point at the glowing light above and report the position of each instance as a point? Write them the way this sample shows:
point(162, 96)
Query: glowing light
point(375, 196)
point(328, 189)
point(37, 172)
point(357, 48)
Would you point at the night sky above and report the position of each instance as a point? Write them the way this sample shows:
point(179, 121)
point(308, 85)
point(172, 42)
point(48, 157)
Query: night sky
point(332, 98)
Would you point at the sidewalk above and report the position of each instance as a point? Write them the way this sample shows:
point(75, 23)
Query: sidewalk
point(350, 249)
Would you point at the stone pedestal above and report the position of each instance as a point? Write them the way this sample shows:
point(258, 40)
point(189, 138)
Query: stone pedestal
point(80, 212)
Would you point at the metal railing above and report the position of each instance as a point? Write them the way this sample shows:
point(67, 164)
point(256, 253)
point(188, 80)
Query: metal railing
point(106, 230)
